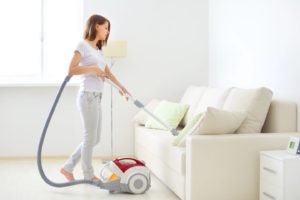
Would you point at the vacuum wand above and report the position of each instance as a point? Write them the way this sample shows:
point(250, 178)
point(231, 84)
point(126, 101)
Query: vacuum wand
point(140, 105)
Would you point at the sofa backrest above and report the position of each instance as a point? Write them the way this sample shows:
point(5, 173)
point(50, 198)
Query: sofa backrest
point(263, 114)
point(281, 118)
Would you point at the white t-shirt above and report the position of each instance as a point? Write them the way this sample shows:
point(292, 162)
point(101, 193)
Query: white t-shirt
point(91, 56)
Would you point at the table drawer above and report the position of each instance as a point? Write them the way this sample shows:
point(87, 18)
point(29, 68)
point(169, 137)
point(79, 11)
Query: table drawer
point(271, 170)
point(270, 192)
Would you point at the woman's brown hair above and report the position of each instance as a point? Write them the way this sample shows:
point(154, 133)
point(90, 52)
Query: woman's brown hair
point(90, 29)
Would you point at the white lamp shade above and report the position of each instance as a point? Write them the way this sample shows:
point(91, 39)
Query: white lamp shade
point(115, 48)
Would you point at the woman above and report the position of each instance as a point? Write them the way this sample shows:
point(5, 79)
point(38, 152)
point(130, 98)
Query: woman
point(88, 61)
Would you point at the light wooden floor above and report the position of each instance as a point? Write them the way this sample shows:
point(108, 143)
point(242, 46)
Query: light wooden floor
point(20, 180)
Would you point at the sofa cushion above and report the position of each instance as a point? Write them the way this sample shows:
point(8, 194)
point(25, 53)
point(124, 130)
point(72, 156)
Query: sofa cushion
point(255, 102)
point(160, 145)
point(168, 112)
point(213, 97)
point(141, 117)
point(191, 97)
point(216, 121)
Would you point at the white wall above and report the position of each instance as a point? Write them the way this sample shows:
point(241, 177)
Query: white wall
point(167, 51)
point(256, 43)
point(24, 111)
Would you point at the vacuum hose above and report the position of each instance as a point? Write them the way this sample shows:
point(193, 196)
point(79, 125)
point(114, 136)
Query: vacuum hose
point(39, 154)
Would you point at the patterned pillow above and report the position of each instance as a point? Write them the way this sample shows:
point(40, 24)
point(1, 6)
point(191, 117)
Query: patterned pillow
point(170, 113)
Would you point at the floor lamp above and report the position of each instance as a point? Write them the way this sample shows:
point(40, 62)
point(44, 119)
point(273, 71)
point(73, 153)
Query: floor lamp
point(113, 50)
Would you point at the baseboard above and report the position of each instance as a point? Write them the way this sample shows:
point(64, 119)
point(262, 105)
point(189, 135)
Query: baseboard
point(58, 157)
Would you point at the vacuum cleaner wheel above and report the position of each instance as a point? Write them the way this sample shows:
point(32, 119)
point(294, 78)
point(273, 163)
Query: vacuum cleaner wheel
point(138, 184)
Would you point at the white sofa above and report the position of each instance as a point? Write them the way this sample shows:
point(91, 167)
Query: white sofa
point(218, 167)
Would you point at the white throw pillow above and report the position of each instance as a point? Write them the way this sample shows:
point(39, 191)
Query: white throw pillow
point(216, 121)
point(141, 117)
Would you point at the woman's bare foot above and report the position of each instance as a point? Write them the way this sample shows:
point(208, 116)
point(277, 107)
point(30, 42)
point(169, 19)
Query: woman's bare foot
point(69, 176)
point(95, 178)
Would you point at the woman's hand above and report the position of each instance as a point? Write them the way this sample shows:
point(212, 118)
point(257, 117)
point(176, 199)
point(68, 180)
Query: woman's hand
point(100, 73)
point(124, 92)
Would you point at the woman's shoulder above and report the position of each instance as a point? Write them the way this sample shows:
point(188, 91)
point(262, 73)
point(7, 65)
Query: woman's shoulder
point(81, 45)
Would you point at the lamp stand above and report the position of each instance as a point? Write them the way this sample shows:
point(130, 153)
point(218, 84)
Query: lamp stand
point(114, 49)
point(111, 115)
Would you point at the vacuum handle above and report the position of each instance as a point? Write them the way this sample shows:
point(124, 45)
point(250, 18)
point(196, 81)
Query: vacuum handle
point(118, 88)
point(133, 159)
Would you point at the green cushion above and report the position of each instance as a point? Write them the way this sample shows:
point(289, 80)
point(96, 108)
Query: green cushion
point(179, 140)
point(170, 113)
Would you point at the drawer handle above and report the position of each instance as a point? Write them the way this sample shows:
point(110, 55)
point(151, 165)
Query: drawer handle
point(270, 170)
point(269, 196)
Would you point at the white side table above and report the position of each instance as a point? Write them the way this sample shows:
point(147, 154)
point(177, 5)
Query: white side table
point(279, 176)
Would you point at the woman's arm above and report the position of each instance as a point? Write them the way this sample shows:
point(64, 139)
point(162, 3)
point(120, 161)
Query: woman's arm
point(75, 69)
point(112, 77)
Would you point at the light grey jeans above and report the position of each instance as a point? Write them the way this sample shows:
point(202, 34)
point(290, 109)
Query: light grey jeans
point(89, 105)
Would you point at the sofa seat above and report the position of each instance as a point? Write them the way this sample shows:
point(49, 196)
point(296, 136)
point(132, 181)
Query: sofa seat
point(165, 161)
point(159, 143)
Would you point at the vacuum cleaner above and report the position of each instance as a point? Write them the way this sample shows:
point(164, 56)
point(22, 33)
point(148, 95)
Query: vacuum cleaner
point(127, 175)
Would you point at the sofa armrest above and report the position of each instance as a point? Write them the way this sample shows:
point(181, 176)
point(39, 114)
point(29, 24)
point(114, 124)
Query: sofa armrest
point(227, 166)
